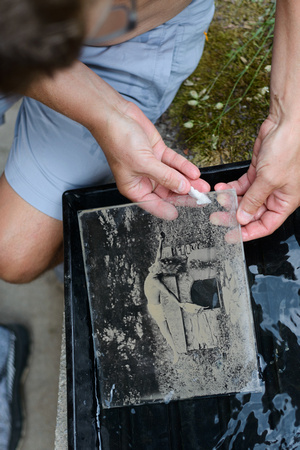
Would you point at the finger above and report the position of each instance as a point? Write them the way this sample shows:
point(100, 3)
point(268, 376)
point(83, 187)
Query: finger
point(264, 226)
point(167, 177)
point(253, 200)
point(200, 185)
point(260, 212)
point(178, 162)
point(227, 200)
point(222, 218)
point(179, 200)
point(225, 219)
point(143, 191)
point(187, 201)
point(241, 185)
point(233, 236)
point(223, 186)
point(158, 207)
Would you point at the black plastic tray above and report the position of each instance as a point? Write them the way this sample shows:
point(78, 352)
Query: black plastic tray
point(271, 418)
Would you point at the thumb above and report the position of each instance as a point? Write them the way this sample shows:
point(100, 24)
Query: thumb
point(252, 200)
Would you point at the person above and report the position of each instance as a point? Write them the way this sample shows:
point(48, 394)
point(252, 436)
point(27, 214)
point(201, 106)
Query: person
point(82, 121)
point(157, 292)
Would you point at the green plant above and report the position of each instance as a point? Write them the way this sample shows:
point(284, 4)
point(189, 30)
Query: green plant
point(223, 103)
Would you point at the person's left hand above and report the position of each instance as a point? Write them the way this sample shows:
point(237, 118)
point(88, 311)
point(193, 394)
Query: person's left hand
point(270, 191)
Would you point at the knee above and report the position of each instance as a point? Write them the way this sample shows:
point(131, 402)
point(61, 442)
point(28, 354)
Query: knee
point(30, 241)
point(16, 268)
point(24, 263)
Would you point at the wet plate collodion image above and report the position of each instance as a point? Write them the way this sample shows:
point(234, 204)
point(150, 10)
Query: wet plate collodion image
point(169, 300)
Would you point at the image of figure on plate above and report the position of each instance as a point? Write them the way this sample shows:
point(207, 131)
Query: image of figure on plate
point(168, 302)
point(169, 291)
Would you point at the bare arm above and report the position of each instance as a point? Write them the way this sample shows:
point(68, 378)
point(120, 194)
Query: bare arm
point(143, 166)
point(270, 191)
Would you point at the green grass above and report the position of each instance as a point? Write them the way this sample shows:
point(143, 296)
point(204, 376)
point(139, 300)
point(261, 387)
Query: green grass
point(221, 106)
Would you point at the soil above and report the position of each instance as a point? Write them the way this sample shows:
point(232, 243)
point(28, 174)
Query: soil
point(169, 130)
point(235, 72)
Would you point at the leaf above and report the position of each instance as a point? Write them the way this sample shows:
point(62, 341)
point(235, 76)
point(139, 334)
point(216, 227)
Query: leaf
point(205, 97)
point(219, 105)
point(194, 94)
point(264, 90)
point(214, 141)
point(188, 124)
point(188, 83)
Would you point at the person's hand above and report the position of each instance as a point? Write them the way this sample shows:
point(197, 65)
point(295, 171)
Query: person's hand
point(143, 166)
point(270, 191)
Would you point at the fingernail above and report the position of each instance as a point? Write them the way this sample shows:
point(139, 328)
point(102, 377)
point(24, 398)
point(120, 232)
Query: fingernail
point(244, 217)
point(224, 200)
point(214, 219)
point(182, 187)
point(233, 236)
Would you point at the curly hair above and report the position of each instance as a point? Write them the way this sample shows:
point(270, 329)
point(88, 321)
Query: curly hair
point(37, 37)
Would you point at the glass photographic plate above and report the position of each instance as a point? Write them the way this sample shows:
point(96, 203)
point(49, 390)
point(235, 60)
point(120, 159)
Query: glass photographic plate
point(169, 300)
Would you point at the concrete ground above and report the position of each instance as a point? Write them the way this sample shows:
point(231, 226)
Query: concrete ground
point(38, 306)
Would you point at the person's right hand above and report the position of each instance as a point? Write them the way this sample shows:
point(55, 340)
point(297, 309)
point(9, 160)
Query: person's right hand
point(143, 166)
point(145, 169)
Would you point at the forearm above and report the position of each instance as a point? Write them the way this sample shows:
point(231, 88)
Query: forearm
point(79, 94)
point(285, 76)
point(269, 191)
point(143, 166)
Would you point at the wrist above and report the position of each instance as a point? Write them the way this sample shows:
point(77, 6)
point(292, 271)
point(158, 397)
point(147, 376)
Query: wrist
point(104, 109)
point(284, 107)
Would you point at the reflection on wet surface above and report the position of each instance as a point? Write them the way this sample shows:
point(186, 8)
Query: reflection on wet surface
point(271, 419)
point(261, 420)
